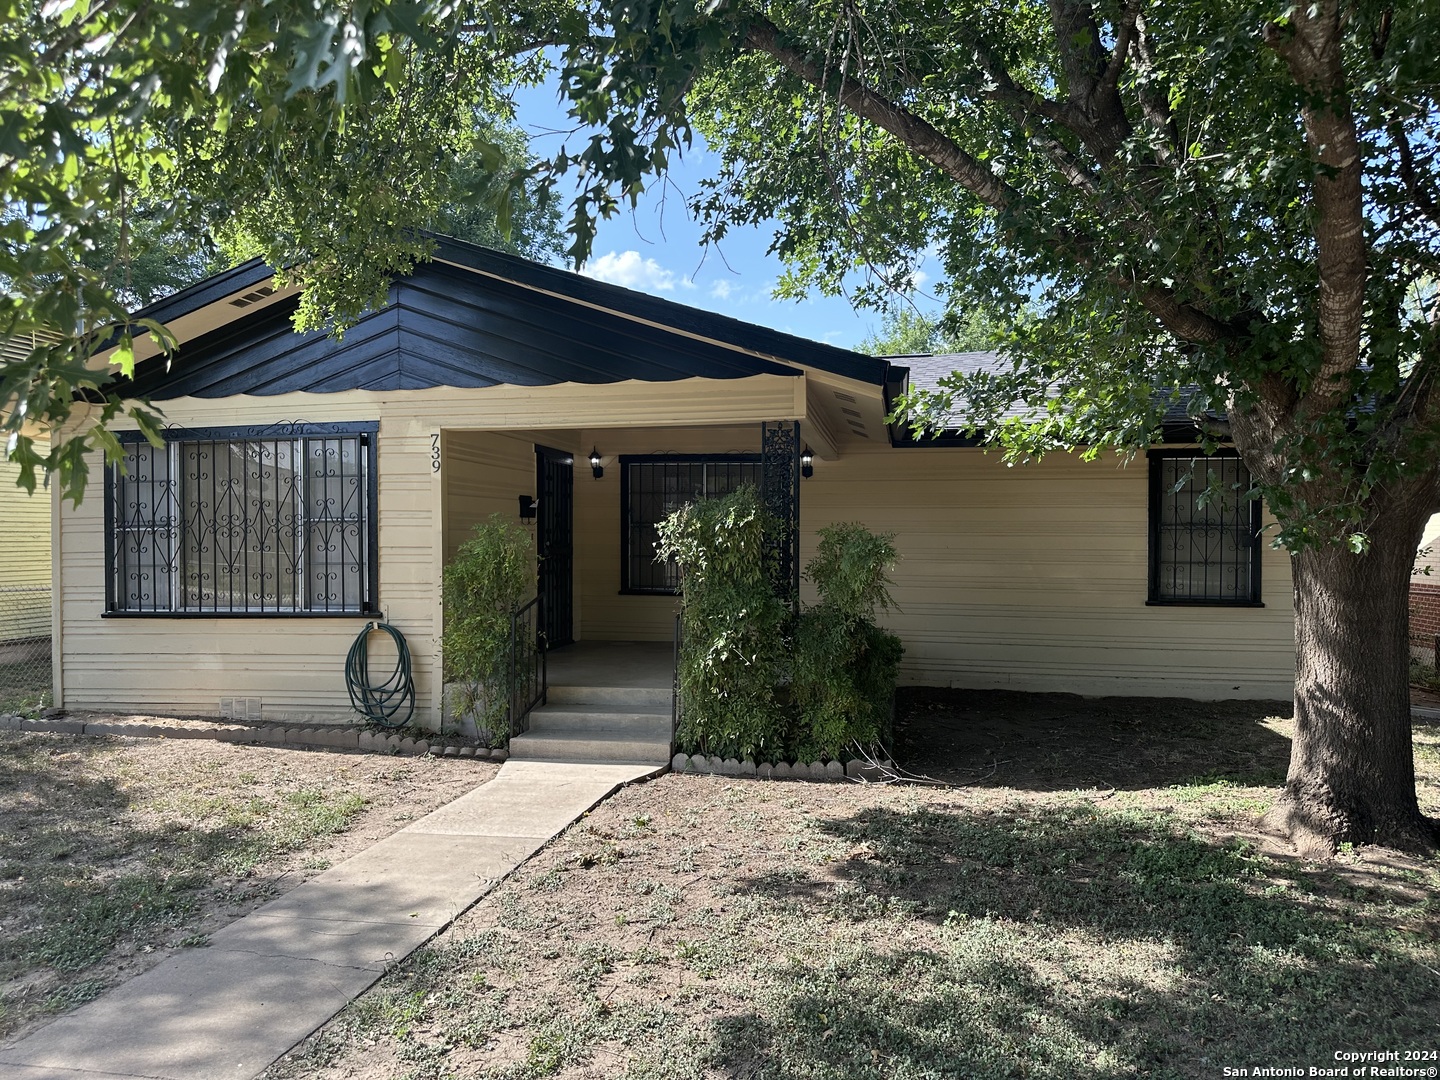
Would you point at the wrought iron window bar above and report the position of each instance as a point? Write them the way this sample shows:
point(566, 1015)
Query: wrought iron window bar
point(1203, 551)
point(277, 520)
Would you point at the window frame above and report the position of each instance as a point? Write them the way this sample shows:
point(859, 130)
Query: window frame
point(366, 431)
point(1156, 497)
point(626, 460)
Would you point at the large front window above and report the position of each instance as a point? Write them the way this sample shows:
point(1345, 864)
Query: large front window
point(653, 488)
point(1204, 530)
point(247, 521)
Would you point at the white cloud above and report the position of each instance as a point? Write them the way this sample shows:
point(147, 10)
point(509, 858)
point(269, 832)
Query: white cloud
point(632, 270)
point(721, 290)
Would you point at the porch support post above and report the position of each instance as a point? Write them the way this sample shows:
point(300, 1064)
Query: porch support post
point(780, 492)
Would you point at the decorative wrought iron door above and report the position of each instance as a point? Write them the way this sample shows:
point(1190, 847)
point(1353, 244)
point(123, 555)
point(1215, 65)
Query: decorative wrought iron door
point(555, 542)
point(780, 492)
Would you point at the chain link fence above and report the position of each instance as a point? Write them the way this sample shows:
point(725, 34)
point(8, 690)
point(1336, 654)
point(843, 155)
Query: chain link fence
point(24, 648)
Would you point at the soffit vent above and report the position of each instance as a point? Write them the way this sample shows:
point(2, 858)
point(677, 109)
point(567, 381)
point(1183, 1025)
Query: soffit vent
point(254, 296)
point(844, 397)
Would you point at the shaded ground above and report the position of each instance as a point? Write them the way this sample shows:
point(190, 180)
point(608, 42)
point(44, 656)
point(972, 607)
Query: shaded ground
point(1093, 909)
point(115, 851)
point(1040, 742)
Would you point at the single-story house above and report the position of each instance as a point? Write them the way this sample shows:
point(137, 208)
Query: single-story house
point(310, 483)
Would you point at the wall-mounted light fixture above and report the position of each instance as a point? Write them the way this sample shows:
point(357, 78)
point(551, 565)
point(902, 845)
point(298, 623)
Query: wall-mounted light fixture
point(807, 462)
point(527, 507)
point(595, 470)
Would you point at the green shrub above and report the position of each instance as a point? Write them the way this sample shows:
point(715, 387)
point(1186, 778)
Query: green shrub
point(734, 627)
point(845, 667)
point(754, 680)
point(490, 576)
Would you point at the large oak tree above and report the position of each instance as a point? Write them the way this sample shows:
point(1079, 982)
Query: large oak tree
point(1230, 204)
point(1227, 203)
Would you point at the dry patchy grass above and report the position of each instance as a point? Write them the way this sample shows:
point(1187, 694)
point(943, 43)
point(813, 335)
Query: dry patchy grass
point(1083, 908)
point(116, 851)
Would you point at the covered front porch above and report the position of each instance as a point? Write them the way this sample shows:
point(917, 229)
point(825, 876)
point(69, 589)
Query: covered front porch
point(592, 499)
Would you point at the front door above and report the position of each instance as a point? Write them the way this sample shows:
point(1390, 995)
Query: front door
point(555, 542)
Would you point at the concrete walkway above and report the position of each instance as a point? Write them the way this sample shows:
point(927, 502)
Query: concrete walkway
point(268, 980)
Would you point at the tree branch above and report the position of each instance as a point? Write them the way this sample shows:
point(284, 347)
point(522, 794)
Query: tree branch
point(1183, 320)
point(1310, 47)
point(1124, 36)
point(918, 134)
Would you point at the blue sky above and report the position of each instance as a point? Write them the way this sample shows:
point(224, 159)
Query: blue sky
point(656, 249)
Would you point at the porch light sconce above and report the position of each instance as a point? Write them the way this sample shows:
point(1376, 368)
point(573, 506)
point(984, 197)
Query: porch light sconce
point(595, 470)
point(527, 507)
point(807, 463)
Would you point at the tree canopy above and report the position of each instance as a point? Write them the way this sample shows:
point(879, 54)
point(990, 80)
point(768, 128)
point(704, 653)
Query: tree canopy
point(321, 139)
point(906, 330)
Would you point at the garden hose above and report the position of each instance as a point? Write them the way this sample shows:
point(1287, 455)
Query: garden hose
point(381, 702)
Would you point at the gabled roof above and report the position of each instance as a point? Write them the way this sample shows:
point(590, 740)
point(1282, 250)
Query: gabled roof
point(471, 318)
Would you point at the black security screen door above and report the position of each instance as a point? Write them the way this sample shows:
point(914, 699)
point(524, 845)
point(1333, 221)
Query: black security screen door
point(555, 542)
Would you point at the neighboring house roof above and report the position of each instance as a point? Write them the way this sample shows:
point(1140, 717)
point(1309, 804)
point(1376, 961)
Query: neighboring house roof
point(472, 317)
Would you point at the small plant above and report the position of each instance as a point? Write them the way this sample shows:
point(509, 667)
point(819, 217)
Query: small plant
point(489, 577)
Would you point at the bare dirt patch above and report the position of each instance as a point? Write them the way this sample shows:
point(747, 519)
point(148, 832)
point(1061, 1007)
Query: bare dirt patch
point(1081, 908)
point(115, 851)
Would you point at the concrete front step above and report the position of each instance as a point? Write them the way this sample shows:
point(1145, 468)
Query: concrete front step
point(601, 746)
point(582, 719)
point(636, 698)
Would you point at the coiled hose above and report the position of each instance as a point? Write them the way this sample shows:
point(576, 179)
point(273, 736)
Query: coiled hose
point(381, 702)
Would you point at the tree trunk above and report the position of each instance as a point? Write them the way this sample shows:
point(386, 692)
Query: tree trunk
point(1352, 767)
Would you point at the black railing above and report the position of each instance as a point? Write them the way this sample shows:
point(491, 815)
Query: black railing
point(675, 688)
point(528, 673)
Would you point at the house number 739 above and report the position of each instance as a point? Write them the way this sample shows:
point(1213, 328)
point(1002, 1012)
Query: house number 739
point(435, 452)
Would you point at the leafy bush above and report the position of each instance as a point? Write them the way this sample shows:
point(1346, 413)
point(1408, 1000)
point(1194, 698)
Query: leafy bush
point(491, 574)
point(734, 626)
point(845, 667)
point(754, 680)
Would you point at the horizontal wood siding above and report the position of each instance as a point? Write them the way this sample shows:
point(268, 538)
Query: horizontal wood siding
point(485, 473)
point(24, 556)
point(1026, 578)
point(296, 665)
point(1035, 578)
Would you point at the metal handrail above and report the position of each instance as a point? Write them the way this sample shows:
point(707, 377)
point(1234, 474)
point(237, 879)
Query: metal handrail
point(675, 688)
point(528, 687)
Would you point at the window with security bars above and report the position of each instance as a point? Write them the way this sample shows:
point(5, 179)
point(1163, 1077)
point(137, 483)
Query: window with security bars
point(653, 488)
point(1204, 530)
point(245, 522)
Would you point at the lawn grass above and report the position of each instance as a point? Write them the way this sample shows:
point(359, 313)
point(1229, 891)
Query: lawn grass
point(116, 850)
point(709, 927)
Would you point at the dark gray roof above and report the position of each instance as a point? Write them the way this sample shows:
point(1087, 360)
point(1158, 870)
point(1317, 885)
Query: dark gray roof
point(926, 371)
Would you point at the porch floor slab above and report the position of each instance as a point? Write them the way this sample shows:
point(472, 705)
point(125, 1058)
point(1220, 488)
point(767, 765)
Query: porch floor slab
point(270, 979)
point(649, 664)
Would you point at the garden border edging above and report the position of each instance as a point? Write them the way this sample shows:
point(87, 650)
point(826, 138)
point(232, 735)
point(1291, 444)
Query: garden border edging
point(314, 737)
point(856, 769)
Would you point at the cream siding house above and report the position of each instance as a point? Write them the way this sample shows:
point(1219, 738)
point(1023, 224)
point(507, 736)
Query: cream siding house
point(488, 381)
point(24, 559)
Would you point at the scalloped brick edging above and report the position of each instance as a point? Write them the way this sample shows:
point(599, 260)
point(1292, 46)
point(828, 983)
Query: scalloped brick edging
point(315, 737)
point(814, 770)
